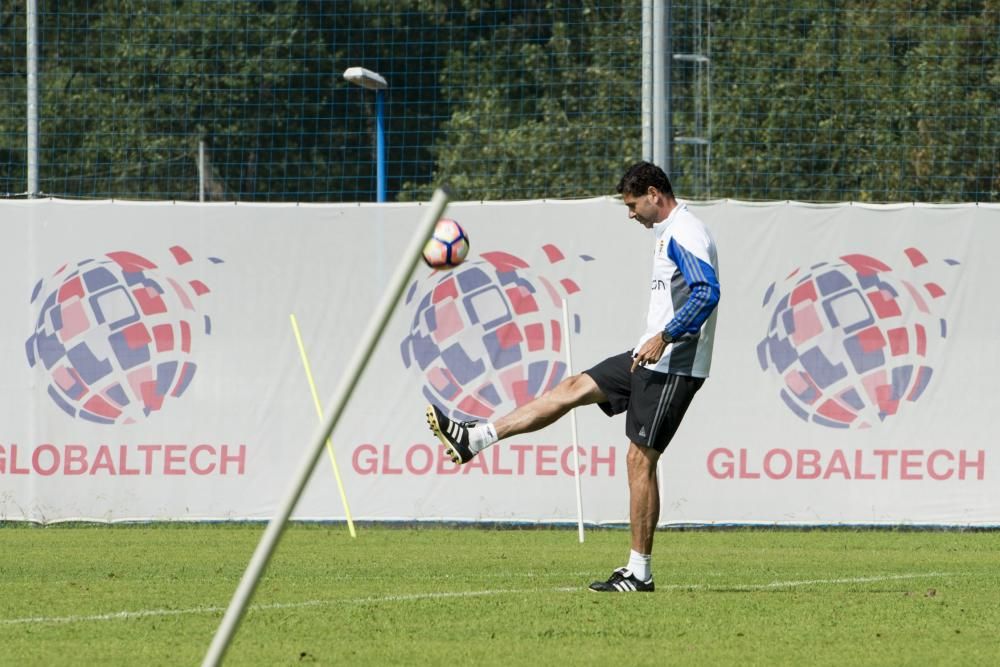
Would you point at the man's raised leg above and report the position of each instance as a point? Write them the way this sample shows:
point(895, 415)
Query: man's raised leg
point(572, 392)
point(463, 440)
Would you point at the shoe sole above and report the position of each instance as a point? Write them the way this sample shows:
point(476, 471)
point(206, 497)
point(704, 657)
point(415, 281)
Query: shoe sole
point(436, 430)
point(604, 587)
point(646, 590)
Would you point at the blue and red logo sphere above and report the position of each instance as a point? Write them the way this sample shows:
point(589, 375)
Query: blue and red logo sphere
point(115, 336)
point(488, 336)
point(852, 342)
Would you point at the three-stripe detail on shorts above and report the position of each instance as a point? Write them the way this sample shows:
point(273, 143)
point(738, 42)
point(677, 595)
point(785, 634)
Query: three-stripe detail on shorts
point(666, 396)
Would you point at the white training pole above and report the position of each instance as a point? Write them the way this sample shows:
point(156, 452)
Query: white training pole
point(572, 421)
point(355, 367)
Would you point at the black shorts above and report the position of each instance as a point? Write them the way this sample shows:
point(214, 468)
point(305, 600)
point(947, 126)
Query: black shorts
point(655, 402)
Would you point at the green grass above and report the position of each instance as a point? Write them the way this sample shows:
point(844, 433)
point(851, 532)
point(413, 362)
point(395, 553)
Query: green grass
point(470, 597)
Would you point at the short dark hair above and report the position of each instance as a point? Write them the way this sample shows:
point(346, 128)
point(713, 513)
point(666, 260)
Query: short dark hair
point(640, 176)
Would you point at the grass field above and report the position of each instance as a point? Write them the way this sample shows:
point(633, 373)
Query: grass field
point(154, 595)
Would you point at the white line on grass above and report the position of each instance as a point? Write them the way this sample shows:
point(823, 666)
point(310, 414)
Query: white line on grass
point(145, 613)
point(809, 582)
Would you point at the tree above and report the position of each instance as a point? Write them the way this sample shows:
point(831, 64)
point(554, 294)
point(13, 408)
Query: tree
point(837, 101)
point(815, 100)
point(538, 103)
point(129, 91)
point(13, 156)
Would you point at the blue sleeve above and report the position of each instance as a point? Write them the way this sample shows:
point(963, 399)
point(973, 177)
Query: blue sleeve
point(704, 283)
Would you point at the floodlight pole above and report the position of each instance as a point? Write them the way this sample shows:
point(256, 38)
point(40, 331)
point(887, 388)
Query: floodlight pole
point(380, 144)
point(647, 80)
point(352, 373)
point(662, 110)
point(366, 78)
point(31, 58)
point(201, 170)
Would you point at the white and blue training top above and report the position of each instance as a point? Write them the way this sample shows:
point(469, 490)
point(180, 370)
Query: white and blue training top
point(683, 294)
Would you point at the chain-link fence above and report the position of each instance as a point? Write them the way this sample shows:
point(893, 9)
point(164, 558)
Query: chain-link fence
point(812, 100)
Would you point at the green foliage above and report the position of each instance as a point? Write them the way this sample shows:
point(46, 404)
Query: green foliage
point(140, 83)
point(13, 86)
point(856, 101)
point(813, 100)
point(539, 109)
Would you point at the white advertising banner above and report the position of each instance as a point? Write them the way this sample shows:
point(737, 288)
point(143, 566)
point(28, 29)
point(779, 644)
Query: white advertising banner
point(151, 369)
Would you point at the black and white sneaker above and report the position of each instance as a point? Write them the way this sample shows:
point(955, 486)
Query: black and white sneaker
point(452, 434)
point(623, 581)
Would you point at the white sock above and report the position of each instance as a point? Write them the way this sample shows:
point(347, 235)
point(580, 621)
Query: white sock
point(482, 436)
point(640, 565)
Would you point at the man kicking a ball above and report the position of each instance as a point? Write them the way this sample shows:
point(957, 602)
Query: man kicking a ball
point(653, 383)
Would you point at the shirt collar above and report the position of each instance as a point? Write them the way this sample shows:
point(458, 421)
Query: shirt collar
point(663, 224)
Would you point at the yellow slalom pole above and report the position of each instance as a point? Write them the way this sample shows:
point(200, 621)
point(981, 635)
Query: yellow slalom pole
point(319, 412)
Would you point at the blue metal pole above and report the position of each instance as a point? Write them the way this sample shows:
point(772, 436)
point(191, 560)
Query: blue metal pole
point(380, 144)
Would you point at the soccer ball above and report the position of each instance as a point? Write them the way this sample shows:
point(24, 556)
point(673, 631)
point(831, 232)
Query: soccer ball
point(448, 245)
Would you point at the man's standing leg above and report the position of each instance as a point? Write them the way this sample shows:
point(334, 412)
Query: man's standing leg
point(644, 514)
point(644, 506)
point(644, 496)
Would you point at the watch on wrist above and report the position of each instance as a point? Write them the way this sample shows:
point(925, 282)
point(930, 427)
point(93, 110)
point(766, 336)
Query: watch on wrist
point(666, 338)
